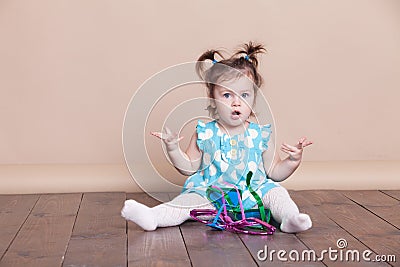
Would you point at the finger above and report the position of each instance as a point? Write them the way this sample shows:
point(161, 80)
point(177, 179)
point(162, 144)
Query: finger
point(167, 130)
point(284, 149)
point(174, 139)
point(289, 152)
point(290, 147)
point(173, 136)
point(157, 134)
point(301, 142)
point(307, 143)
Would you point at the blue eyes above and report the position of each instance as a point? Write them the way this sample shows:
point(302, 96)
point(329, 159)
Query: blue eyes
point(228, 95)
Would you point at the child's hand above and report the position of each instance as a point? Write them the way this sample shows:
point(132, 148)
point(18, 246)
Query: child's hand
point(295, 152)
point(170, 139)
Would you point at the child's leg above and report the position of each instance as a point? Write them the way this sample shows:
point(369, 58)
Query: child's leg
point(285, 211)
point(170, 213)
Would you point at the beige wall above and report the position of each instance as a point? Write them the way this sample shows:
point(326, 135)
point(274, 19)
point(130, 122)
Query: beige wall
point(69, 68)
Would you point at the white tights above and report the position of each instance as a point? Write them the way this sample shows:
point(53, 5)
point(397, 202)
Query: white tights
point(175, 212)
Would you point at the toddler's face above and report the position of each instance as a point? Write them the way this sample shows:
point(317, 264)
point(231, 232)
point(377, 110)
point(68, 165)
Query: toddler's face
point(234, 100)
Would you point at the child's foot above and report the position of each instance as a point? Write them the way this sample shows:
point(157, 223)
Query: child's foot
point(139, 214)
point(297, 223)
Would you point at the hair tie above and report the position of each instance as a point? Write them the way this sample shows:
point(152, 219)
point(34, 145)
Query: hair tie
point(247, 57)
point(214, 61)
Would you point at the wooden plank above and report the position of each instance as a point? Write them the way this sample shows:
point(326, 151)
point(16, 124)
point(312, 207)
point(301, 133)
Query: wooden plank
point(378, 203)
point(99, 234)
point(393, 193)
point(325, 233)
point(378, 235)
point(207, 247)
point(321, 197)
point(43, 238)
point(14, 209)
point(163, 247)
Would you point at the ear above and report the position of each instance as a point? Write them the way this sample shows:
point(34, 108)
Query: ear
point(212, 103)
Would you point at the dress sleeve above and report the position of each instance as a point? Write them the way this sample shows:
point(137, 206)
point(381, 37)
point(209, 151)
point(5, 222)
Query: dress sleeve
point(265, 135)
point(200, 129)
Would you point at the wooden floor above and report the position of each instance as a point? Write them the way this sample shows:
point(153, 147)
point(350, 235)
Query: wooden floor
point(87, 230)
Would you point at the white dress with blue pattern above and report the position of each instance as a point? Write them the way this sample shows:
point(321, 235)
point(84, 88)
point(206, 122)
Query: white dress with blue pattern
point(230, 158)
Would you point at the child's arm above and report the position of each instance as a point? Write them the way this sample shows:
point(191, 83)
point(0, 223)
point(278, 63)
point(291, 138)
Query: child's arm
point(280, 169)
point(187, 162)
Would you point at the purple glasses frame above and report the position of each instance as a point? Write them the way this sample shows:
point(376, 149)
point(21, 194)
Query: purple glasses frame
point(222, 221)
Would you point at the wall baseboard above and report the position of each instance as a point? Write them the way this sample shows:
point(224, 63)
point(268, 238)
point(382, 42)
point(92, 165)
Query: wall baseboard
point(339, 175)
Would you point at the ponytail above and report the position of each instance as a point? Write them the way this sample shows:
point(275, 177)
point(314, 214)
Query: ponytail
point(208, 55)
point(250, 52)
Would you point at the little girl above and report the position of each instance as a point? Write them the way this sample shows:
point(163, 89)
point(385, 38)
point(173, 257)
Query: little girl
point(226, 149)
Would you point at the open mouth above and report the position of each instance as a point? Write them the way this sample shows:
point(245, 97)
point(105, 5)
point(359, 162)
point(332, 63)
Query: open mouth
point(236, 114)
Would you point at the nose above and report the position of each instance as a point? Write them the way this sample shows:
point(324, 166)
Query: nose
point(236, 102)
